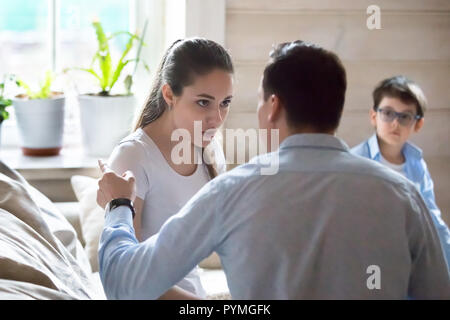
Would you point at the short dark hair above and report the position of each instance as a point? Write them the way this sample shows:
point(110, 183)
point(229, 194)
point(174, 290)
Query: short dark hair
point(401, 88)
point(310, 82)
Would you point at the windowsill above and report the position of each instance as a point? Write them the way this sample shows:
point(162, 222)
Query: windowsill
point(70, 161)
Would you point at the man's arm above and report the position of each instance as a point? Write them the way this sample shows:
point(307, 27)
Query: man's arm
point(133, 270)
point(430, 278)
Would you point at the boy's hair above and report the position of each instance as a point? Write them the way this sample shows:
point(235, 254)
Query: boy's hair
point(309, 81)
point(401, 88)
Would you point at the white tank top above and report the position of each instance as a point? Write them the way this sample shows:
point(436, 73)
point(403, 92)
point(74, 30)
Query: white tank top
point(163, 191)
point(400, 168)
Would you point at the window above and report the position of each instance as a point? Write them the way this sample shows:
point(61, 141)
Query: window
point(24, 29)
point(42, 35)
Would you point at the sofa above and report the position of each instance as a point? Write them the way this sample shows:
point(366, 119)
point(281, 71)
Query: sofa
point(49, 250)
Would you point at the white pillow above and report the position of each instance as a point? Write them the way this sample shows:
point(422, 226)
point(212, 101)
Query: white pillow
point(92, 221)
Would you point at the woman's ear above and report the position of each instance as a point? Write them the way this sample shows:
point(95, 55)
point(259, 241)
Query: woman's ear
point(167, 94)
point(419, 124)
point(373, 118)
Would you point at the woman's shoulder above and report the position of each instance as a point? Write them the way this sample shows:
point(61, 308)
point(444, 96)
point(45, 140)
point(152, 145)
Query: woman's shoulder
point(131, 145)
point(132, 148)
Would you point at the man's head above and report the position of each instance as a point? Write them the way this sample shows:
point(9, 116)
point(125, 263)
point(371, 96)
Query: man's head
point(302, 89)
point(398, 109)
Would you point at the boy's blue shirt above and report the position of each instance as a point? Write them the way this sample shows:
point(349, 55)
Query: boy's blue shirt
point(415, 170)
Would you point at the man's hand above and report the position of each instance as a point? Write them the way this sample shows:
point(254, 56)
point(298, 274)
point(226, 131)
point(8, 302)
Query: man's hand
point(112, 186)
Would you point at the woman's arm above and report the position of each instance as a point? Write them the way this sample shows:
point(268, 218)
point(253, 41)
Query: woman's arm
point(137, 221)
point(177, 293)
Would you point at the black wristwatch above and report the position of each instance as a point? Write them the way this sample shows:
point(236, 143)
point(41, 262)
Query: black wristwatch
point(120, 202)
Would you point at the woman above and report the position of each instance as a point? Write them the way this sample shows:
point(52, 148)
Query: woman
point(193, 86)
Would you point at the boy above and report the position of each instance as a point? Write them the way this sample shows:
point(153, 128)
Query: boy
point(398, 111)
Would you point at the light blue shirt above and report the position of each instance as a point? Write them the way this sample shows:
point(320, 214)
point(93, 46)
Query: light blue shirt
point(416, 170)
point(327, 225)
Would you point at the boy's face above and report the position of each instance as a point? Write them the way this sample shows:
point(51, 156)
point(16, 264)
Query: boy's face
point(394, 132)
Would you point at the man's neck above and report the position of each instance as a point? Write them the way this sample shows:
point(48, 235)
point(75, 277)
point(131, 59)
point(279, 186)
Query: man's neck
point(305, 130)
point(285, 132)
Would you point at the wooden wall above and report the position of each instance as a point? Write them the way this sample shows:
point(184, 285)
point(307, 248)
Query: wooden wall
point(413, 41)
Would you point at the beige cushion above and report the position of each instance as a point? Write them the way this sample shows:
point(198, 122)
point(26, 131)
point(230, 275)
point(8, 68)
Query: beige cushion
point(91, 216)
point(39, 257)
point(71, 211)
point(92, 220)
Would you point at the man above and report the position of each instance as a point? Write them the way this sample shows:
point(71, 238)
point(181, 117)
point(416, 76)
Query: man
point(327, 225)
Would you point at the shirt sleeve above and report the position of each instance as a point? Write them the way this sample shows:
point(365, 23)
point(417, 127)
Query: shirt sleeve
point(131, 156)
point(430, 277)
point(146, 270)
point(427, 192)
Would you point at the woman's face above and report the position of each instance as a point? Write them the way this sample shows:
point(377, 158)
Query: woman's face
point(207, 101)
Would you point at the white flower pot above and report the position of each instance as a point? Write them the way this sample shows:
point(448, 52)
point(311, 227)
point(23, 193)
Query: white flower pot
point(41, 125)
point(105, 121)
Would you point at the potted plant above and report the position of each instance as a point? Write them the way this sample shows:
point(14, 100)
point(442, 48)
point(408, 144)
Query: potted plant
point(4, 103)
point(105, 117)
point(40, 118)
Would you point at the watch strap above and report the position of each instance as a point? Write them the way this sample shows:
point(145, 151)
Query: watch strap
point(121, 202)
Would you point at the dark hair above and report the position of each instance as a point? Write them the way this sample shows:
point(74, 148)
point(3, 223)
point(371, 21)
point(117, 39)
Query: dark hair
point(309, 81)
point(401, 88)
point(181, 63)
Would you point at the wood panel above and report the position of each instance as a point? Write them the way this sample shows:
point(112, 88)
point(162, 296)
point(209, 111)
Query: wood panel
point(402, 37)
point(347, 5)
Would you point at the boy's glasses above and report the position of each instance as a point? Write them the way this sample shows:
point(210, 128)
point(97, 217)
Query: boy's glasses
point(403, 118)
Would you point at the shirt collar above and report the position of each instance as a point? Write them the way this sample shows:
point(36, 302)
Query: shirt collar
point(315, 140)
point(374, 148)
point(409, 149)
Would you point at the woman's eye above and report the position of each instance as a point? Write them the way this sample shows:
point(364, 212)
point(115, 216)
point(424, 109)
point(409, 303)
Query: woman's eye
point(203, 103)
point(225, 104)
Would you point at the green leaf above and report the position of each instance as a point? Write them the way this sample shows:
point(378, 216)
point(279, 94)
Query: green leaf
point(115, 34)
point(128, 83)
point(44, 88)
point(91, 71)
point(27, 88)
point(104, 57)
point(119, 70)
point(44, 92)
point(121, 64)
